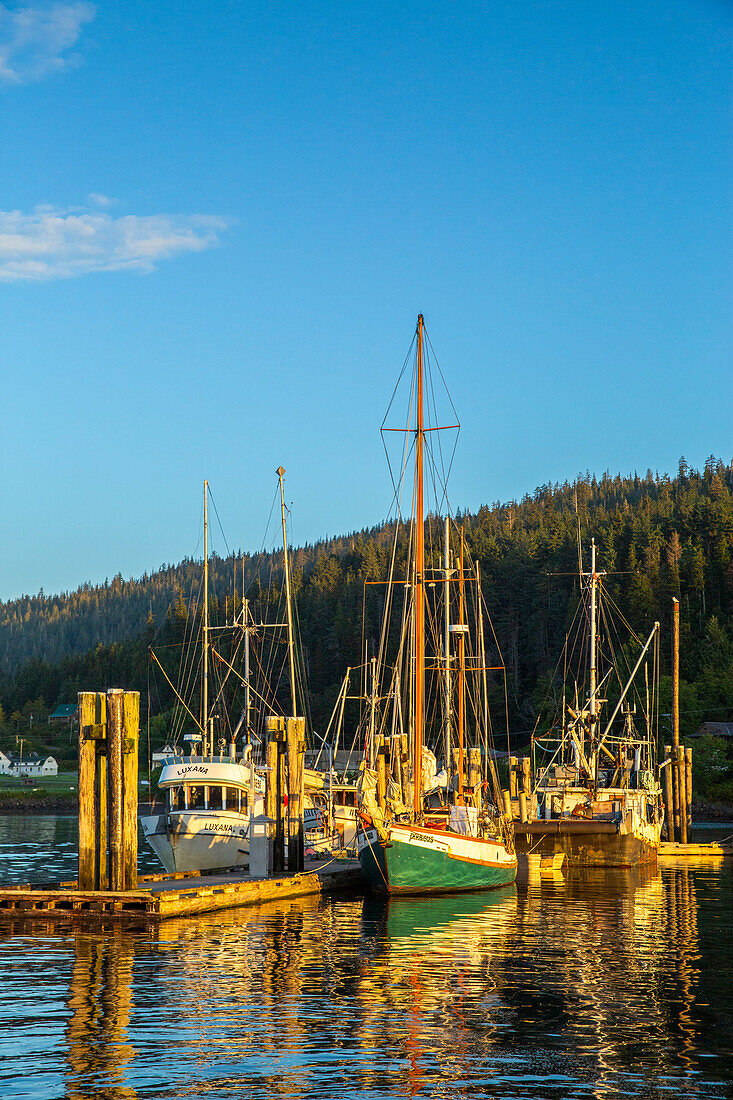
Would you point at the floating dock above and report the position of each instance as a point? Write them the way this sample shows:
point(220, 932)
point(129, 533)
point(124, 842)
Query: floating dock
point(711, 850)
point(158, 897)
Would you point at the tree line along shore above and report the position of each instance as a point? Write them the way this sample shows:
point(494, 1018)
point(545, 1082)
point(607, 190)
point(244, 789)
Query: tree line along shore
point(657, 537)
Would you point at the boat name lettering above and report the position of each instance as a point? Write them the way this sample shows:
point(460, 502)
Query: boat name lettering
point(422, 837)
point(193, 769)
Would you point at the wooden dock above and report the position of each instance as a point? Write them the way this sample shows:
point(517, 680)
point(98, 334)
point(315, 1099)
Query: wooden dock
point(158, 897)
point(711, 850)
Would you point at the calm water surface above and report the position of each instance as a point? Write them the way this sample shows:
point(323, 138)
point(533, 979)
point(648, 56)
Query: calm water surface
point(588, 985)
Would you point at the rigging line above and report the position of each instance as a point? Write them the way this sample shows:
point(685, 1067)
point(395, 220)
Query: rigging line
point(174, 690)
point(409, 433)
point(399, 379)
point(221, 528)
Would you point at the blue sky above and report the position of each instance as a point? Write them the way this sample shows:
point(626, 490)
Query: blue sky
point(218, 222)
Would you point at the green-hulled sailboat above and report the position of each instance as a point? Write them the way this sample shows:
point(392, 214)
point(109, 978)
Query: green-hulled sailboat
point(424, 831)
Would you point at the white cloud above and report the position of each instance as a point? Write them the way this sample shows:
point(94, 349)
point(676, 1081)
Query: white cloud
point(101, 200)
point(35, 41)
point(58, 244)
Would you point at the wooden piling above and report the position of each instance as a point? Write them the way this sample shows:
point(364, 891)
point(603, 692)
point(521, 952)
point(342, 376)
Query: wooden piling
point(527, 776)
point(475, 771)
point(668, 796)
point(682, 787)
point(295, 733)
point(90, 716)
point(131, 736)
point(676, 715)
point(523, 815)
point(507, 798)
point(382, 776)
point(688, 769)
point(513, 761)
point(459, 769)
point(108, 780)
point(276, 789)
point(115, 736)
point(101, 869)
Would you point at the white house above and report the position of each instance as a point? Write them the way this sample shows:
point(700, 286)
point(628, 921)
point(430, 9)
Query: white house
point(10, 764)
point(161, 755)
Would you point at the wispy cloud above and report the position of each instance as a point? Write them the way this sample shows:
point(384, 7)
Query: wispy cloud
point(58, 244)
point(101, 200)
point(36, 41)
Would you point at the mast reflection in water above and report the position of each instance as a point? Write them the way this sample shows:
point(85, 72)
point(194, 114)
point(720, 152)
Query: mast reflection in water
point(600, 984)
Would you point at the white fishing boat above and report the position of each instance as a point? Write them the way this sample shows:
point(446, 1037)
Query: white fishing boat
point(204, 824)
point(212, 794)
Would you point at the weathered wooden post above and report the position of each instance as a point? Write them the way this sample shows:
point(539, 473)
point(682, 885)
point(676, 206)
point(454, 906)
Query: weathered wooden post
point(130, 742)
point(682, 773)
point(382, 775)
point(108, 779)
point(508, 812)
point(271, 763)
point(527, 776)
point(513, 761)
point(688, 768)
point(92, 718)
point(115, 707)
point(295, 732)
point(523, 815)
point(474, 768)
point(275, 727)
point(676, 718)
point(403, 757)
point(668, 796)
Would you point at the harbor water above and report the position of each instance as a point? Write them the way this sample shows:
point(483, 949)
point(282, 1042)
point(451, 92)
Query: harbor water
point(583, 984)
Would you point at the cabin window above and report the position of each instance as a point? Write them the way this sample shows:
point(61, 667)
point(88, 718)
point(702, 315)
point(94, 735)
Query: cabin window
point(195, 797)
point(215, 798)
point(231, 799)
point(175, 798)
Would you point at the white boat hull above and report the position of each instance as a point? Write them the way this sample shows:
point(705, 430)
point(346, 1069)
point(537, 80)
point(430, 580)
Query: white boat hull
point(198, 840)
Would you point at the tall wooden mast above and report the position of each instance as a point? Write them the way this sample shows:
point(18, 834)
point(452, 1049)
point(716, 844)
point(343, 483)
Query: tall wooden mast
point(461, 675)
point(205, 685)
point(419, 692)
point(291, 645)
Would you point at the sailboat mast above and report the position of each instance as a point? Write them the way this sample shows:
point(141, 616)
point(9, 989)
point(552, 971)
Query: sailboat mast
point(247, 703)
point(593, 581)
point(291, 647)
point(461, 675)
point(205, 692)
point(419, 692)
point(446, 646)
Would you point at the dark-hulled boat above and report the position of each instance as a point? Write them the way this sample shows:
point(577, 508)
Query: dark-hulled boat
point(597, 796)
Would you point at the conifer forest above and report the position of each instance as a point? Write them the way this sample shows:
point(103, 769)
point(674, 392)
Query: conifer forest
point(657, 537)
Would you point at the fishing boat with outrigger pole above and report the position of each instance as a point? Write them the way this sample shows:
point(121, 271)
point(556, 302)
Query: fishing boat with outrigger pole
point(212, 793)
point(597, 798)
point(424, 831)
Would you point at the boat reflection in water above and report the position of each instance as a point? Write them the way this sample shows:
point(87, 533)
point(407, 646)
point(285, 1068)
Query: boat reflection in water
point(590, 985)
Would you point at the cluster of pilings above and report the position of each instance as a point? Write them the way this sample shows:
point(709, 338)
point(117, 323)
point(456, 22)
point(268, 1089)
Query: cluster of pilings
point(108, 778)
point(518, 799)
point(677, 772)
point(677, 764)
point(285, 789)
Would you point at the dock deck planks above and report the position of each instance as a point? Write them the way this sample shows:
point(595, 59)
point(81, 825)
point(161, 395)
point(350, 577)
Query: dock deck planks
point(160, 896)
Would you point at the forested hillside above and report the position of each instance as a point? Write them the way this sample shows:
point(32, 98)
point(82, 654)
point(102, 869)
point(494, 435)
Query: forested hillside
point(657, 537)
